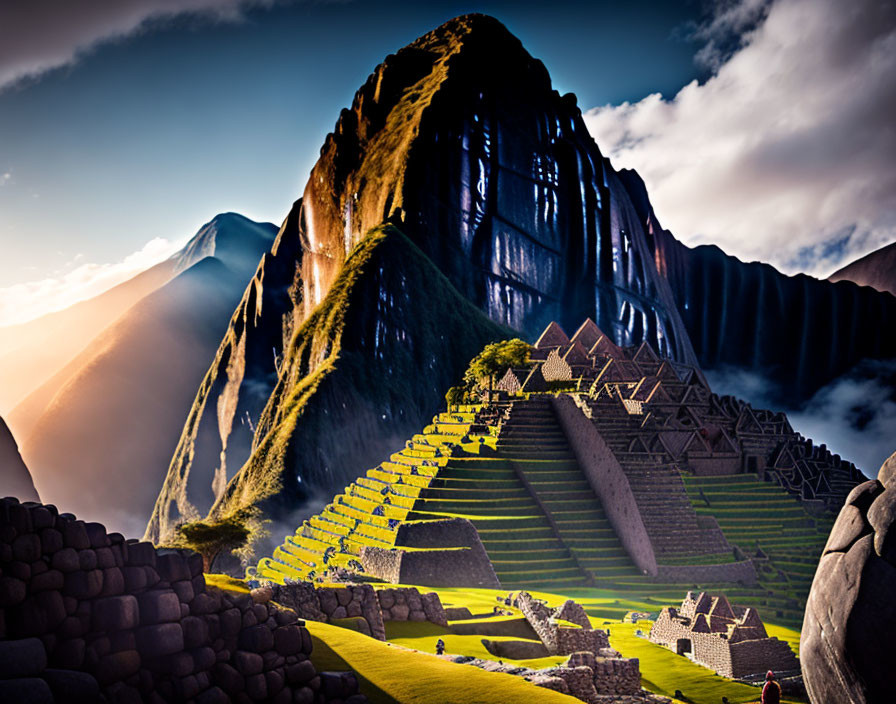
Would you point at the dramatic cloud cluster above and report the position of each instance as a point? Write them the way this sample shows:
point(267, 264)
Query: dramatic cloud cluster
point(854, 415)
point(786, 154)
point(25, 301)
point(39, 35)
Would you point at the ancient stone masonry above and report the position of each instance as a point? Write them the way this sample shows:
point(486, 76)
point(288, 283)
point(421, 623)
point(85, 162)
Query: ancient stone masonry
point(594, 673)
point(559, 639)
point(369, 608)
point(91, 617)
point(659, 419)
point(728, 639)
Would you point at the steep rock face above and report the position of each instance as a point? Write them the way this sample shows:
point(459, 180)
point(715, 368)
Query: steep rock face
point(220, 429)
point(798, 332)
point(15, 479)
point(877, 270)
point(850, 613)
point(361, 373)
point(494, 175)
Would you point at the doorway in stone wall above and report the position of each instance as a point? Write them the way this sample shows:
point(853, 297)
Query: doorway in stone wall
point(683, 646)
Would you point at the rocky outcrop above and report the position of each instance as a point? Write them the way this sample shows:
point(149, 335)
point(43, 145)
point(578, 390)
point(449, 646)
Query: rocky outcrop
point(851, 614)
point(87, 616)
point(15, 479)
point(877, 269)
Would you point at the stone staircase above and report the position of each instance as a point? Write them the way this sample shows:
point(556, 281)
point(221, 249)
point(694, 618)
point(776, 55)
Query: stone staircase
point(672, 524)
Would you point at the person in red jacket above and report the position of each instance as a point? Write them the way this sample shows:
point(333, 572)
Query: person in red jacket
point(771, 692)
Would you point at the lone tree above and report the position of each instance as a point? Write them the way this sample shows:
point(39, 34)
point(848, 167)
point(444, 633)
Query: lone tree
point(495, 359)
point(210, 537)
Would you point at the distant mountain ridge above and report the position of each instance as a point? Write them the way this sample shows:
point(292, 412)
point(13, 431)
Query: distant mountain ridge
point(102, 430)
point(877, 269)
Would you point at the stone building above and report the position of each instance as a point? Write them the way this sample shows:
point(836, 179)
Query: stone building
point(729, 639)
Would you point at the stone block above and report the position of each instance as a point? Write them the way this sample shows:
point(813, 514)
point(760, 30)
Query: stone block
point(288, 640)
point(22, 658)
point(159, 607)
point(248, 663)
point(134, 578)
point(301, 672)
point(171, 566)
point(26, 548)
point(96, 534)
point(116, 613)
point(50, 541)
point(70, 687)
point(203, 604)
point(12, 591)
point(226, 676)
point(231, 622)
point(69, 654)
point(41, 517)
point(83, 585)
point(105, 558)
point(65, 560)
point(195, 631)
point(74, 534)
point(141, 553)
point(160, 639)
point(86, 559)
point(184, 591)
point(257, 687)
point(51, 579)
point(116, 667)
point(203, 658)
point(257, 639)
point(179, 664)
point(28, 690)
point(213, 695)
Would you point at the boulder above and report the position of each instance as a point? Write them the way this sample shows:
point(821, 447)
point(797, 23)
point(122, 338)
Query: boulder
point(851, 612)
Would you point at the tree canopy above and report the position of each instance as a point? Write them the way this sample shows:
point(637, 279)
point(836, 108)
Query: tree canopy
point(211, 536)
point(495, 359)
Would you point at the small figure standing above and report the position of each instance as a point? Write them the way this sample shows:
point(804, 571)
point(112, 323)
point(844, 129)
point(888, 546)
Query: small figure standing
point(771, 692)
point(440, 647)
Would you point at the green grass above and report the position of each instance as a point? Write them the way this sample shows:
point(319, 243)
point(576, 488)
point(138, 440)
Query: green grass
point(391, 674)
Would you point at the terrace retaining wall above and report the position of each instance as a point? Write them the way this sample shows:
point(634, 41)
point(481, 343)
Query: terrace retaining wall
point(608, 481)
point(86, 615)
point(742, 572)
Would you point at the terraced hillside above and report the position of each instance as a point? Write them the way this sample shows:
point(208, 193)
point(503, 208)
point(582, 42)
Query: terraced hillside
point(539, 519)
point(765, 521)
point(369, 510)
point(536, 514)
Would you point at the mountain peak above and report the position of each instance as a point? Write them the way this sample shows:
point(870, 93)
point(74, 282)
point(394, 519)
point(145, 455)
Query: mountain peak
point(230, 237)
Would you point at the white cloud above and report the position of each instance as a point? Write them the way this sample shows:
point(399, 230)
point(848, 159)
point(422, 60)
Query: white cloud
point(786, 154)
point(39, 35)
point(25, 301)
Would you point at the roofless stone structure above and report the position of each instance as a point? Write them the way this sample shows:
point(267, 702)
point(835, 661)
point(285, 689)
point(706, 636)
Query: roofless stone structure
point(728, 639)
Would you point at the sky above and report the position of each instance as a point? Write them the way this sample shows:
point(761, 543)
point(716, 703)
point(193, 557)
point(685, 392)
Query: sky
point(765, 127)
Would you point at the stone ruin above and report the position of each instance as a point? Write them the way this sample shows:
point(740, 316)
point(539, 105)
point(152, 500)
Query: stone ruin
point(368, 608)
point(87, 616)
point(683, 421)
point(595, 672)
point(729, 639)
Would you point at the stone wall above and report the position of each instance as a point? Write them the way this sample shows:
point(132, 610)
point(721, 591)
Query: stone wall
point(444, 553)
point(613, 674)
point(752, 656)
point(608, 481)
point(334, 603)
point(89, 616)
point(408, 604)
point(560, 640)
point(743, 572)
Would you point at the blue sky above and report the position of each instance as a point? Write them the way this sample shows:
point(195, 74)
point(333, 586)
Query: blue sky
point(139, 137)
